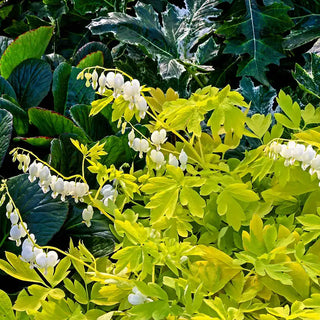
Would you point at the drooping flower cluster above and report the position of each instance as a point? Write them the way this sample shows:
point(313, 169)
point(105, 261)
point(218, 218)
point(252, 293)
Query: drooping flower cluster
point(130, 90)
point(35, 256)
point(47, 182)
point(293, 152)
point(157, 139)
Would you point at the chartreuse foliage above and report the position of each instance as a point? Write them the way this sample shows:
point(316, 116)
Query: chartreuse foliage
point(217, 239)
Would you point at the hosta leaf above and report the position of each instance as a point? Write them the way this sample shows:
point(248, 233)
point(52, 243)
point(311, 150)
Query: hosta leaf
point(51, 124)
point(5, 133)
point(309, 78)
point(91, 60)
point(257, 25)
point(20, 117)
point(31, 44)
point(31, 80)
point(43, 214)
point(60, 86)
point(6, 88)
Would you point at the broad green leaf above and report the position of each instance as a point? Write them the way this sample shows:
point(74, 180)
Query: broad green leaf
point(78, 93)
point(60, 86)
point(96, 127)
point(31, 44)
point(6, 312)
point(6, 88)
point(306, 32)
point(91, 60)
point(40, 141)
point(31, 80)
point(94, 47)
point(43, 214)
point(98, 238)
point(308, 77)
point(64, 157)
point(51, 124)
point(20, 117)
point(258, 25)
point(5, 133)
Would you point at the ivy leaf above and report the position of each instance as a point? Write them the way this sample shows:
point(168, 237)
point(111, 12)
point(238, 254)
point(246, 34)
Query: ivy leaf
point(31, 44)
point(253, 34)
point(31, 80)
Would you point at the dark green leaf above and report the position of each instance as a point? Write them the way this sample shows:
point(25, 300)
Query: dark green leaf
point(93, 47)
point(4, 43)
point(206, 51)
point(31, 80)
point(35, 141)
point(54, 59)
point(309, 78)
point(91, 60)
point(31, 44)
point(84, 6)
point(35, 22)
point(64, 156)
point(5, 133)
point(20, 117)
point(61, 77)
point(305, 33)
point(96, 127)
point(51, 124)
point(98, 238)
point(43, 215)
point(6, 88)
point(254, 34)
point(261, 97)
point(118, 150)
point(78, 93)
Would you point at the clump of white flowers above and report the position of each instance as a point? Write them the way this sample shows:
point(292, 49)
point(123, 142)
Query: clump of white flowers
point(19, 230)
point(292, 152)
point(137, 297)
point(49, 182)
point(129, 90)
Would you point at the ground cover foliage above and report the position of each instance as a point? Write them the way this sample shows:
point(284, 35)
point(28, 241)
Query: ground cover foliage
point(194, 192)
